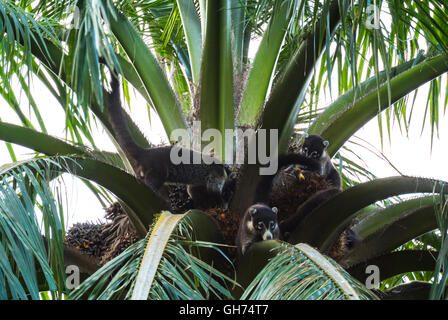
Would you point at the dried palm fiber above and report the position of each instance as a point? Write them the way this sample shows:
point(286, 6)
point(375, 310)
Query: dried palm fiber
point(292, 187)
point(104, 241)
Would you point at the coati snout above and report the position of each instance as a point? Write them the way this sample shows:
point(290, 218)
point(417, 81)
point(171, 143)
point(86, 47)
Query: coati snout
point(263, 222)
point(259, 223)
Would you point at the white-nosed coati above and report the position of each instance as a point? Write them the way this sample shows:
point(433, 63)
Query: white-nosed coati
point(314, 147)
point(155, 167)
point(260, 220)
point(314, 159)
point(259, 223)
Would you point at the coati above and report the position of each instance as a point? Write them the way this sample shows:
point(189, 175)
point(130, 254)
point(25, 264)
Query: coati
point(314, 147)
point(309, 161)
point(202, 199)
point(260, 220)
point(347, 240)
point(259, 223)
point(264, 186)
point(154, 166)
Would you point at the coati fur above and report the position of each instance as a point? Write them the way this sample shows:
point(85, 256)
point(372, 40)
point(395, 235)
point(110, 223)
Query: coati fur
point(202, 199)
point(154, 166)
point(264, 186)
point(314, 147)
point(260, 220)
point(345, 243)
point(312, 159)
point(259, 223)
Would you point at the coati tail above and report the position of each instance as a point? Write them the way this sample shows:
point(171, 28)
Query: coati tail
point(334, 178)
point(119, 125)
point(264, 186)
point(345, 243)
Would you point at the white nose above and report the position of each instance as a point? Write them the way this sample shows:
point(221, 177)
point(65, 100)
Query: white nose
point(267, 235)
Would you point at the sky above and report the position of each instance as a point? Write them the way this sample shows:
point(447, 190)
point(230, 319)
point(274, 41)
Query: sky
point(81, 205)
point(410, 153)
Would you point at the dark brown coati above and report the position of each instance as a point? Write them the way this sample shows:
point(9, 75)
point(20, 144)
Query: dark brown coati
point(259, 223)
point(314, 159)
point(260, 220)
point(155, 167)
point(314, 147)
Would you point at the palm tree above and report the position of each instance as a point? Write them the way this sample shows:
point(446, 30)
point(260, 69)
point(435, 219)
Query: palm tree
point(190, 60)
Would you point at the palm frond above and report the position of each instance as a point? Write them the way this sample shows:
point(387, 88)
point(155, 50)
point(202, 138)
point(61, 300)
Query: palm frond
point(404, 31)
point(20, 31)
point(302, 273)
point(89, 42)
point(178, 274)
point(32, 231)
point(438, 289)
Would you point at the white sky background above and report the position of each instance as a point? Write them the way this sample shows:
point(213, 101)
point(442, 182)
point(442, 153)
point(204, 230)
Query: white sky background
point(81, 205)
point(410, 154)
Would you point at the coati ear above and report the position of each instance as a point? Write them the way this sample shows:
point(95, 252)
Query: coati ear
point(275, 210)
point(326, 143)
point(252, 211)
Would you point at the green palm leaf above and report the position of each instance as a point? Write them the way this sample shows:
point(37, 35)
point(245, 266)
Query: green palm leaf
point(24, 252)
point(302, 273)
point(354, 109)
point(162, 266)
point(438, 289)
point(362, 195)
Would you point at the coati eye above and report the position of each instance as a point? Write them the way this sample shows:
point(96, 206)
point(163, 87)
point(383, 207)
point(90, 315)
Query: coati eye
point(260, 225)
point(271, 225)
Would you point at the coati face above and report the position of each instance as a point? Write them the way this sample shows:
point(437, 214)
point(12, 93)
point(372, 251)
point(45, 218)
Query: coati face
point(263, 221)
point(314, 146)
